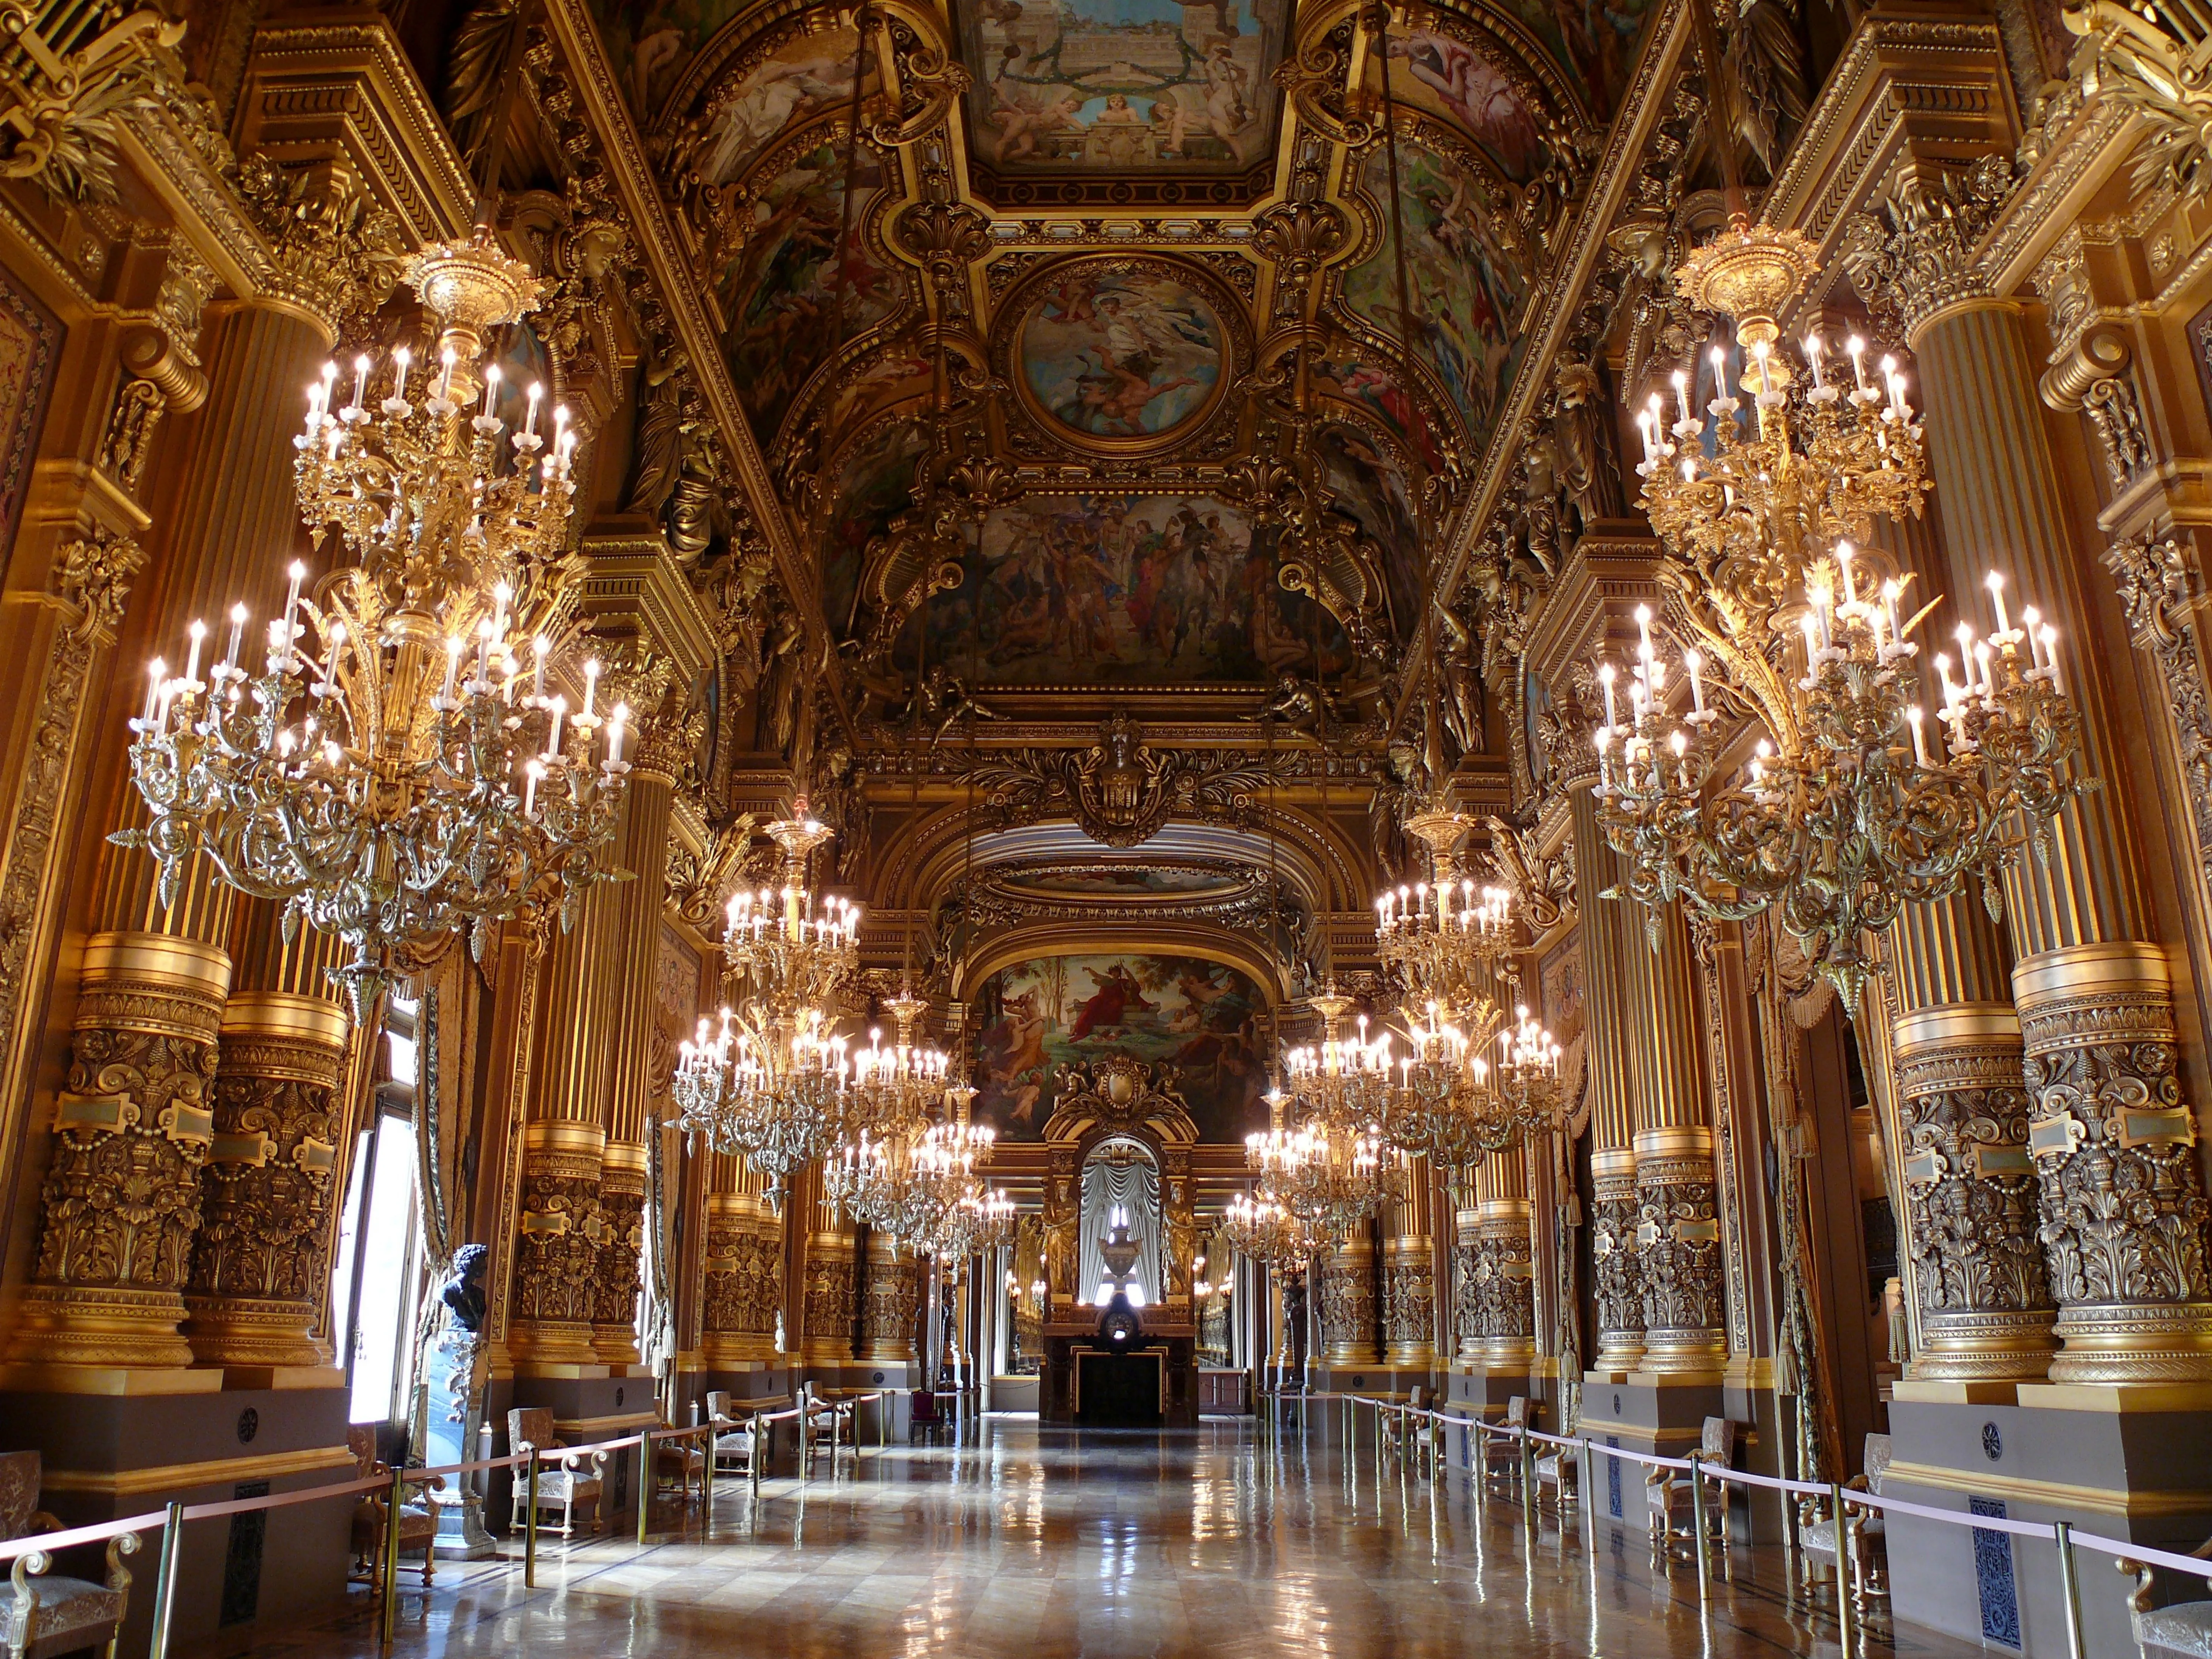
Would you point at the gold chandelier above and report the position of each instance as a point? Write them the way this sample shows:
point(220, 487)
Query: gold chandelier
point(1334, 1169)
point(773, 1084)
point(1849, 804)
point(389, 759)
point(896, 1089)
point(1259, 1227)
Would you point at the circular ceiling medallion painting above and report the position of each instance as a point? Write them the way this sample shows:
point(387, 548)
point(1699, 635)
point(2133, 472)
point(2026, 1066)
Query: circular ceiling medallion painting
point(1119, 354)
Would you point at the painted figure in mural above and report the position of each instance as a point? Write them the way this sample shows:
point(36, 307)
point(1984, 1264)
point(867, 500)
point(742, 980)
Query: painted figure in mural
point(1121, 354)
point(1025, 122)
point(776, 94)
point(1011, 1056)
point(1118, 991)
point(1477, 94)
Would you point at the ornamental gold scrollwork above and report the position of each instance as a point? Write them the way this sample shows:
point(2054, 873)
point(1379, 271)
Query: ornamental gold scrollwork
point(556, 1252)
point(745, 1271)
point(2159, 586)
point(1618, 1269)
point(1678, 1247)
point(1347, 1302)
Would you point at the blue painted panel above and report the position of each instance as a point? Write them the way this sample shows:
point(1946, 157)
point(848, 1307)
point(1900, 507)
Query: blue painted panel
point(1993, 1577)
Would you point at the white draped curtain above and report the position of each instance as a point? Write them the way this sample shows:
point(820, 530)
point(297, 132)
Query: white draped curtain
point(1121, 1172)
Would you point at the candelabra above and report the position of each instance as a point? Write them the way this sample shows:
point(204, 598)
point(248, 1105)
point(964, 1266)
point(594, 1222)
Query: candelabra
point(896, 1089)
point(1444, 941)
point(1454, 1104)
point(767, 1086)
point(340, 776)
point(1260, 1228)
point(1846, 805)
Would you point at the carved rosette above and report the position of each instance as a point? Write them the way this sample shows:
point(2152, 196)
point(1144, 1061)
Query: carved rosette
point(1503, 1299)
point(831, 1285)
point(1678, 1245)
point(621, 1250)
point(2121, 1197)
point(1347, 1304)
point(259, 1259)
point(894, 1304)
point(1409, 1303)
point(121, 1198)
point(744, 1290)
point(1615, 1208)
point(557, 1258)
point(1971, 1214)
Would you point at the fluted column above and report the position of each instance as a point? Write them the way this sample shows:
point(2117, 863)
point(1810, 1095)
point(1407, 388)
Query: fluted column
point(1606, 940)
point(1973, 1261)
point(894, 1302)
point(261, 1257)
point(1678, 1225)
point(133, 1125)
point(743, 1296)
point(1409, 1276)
point(561, 1223)
point(2133, 1278)
point(1504, 1265)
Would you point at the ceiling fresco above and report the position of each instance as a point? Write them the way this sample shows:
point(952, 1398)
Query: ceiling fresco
point(1134, 356)
point(1116, 89)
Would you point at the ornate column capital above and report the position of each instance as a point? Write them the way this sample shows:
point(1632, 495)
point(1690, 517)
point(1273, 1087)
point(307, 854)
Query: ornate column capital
point(335, 252)
point(1912, 255)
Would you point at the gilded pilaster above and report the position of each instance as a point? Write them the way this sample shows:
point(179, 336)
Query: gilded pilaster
point(1607, 941)
point(259, 1260)
point(893, 1305)
point(1347, 1302)
point(1409, 1276)
point(831, 1287)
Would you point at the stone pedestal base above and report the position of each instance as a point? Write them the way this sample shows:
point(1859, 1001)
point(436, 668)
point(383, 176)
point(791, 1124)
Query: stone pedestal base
point(1650, 1411)
point(2134, 1464)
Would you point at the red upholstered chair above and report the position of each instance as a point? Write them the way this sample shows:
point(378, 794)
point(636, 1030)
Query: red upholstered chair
point(418, 1522)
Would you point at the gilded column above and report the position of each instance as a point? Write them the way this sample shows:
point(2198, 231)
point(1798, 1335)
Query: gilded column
point(1409, 1275)
point(628, 965)
point(561, 1223)
point(1678, 1225)
point(1975, 1265)
point(1504, 1266)
point(1607, 941)
point(743, 1297)
point(1467, 1299)
point(260, 1259)
point(1347, 1302)
point(894, 1302)
point(2122, 1209)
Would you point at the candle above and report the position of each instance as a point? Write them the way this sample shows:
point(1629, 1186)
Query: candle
point(1965, 638)
point(1813, 348)
point(454, 645)
point(1956, 714)
point(537, 668)
point(400, 359)
point(1822, 597)
point(445, 376)
point(156, 671)
point(1919, 737)
point(1720, 373)
point(1982, 662)
point(1857, 347)
point(2033, 620)
point(1812, 644)
point(531, 773)
point(1889, 597)
point(360, 379)
point(2050, 637)
point(615, 733)
point(237, 633)
point(560, 707)
point(1644, 627)
point(491, 388)
point(1844, 563)
point(530, 421)
point(591, 686)
point(1682, 391)
point(298, 573)
point(1950, 692)
point(1604, 679)
point(1996, 585)
point(1695, 662)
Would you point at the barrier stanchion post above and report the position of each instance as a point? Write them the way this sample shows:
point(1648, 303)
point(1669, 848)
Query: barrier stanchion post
point(394, 1500)
point(1845, 1611)
point(837, 1417)
point(707, 1486)
point(1586, 1494)
point(644, 1479)
point(1527, 1484)
point(764, 1447)
point(2070, 1584)
point(1697, 1523)
point(164, 1581)
point(530, 1526)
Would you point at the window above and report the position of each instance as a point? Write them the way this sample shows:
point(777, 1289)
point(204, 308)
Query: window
point(379, 1261)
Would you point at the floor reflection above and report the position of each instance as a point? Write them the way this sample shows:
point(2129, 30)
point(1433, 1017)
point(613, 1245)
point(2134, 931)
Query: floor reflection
point(1036, 1545)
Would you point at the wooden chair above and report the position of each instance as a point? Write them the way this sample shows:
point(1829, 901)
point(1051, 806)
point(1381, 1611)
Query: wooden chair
point(561, 1481)
point(826, 1425)
point(1560, 1468)
point(735, 1437)
point(1865, 1535)
point(1501, 1452)
point(418, 1522)
point(679, 1464)
point(43, 1615)
point(923, 1420)
point(1671, 1500)
point(2183, 1629)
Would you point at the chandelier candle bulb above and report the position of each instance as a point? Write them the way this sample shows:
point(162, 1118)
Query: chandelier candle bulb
point(530, 421)
point(1695, 662)
point(2050, 637)
point(1919, 737)
point(1812, 350)
point(156, 672)
point(1856, 348)
point(490, 399)
point(397, 403)
point(1682, 391)
point(560, 707)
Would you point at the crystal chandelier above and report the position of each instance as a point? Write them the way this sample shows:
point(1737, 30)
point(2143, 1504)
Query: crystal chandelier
point(1443, 941)
point(773, 1084)
point(1258, 1227)
point(1334, 1169)
point(387, 762)
point(895, 1089)
point(1845, 805)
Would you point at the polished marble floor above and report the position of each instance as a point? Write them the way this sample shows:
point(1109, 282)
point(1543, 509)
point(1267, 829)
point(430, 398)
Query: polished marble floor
point(1036, 1545)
